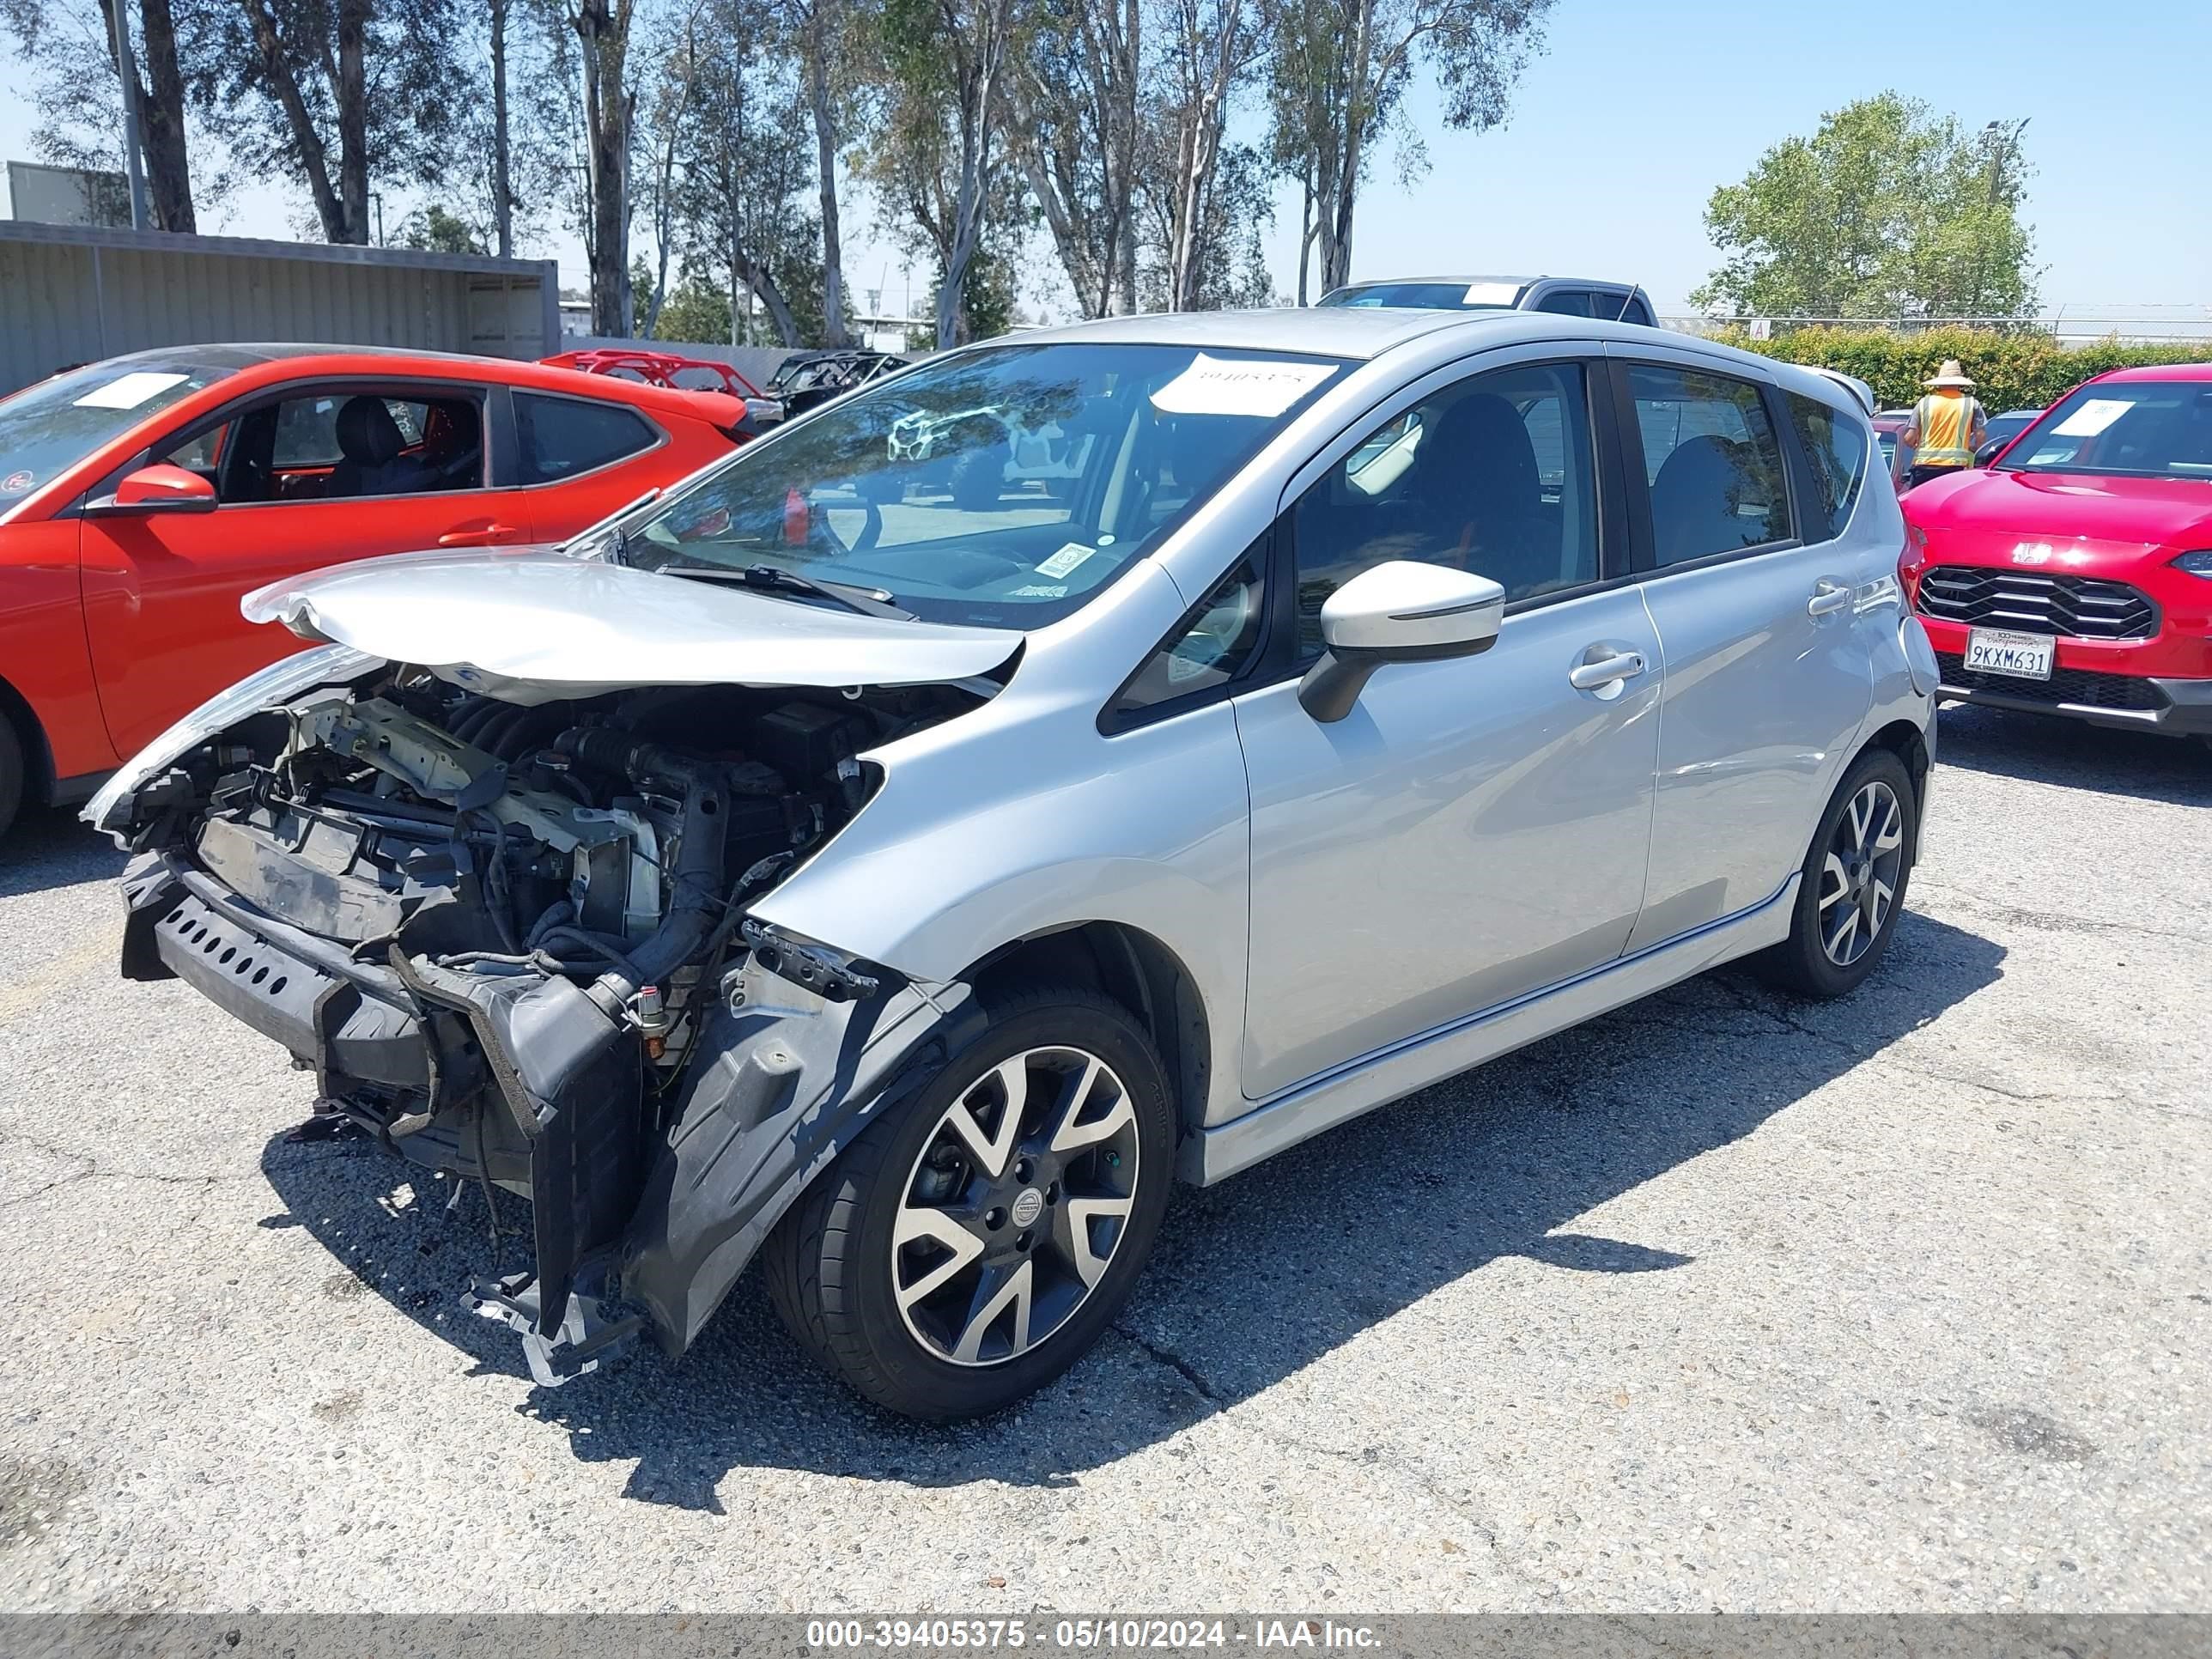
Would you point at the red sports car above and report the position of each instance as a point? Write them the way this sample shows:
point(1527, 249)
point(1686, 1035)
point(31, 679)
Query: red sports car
point(2074, 574)
point(140, 497)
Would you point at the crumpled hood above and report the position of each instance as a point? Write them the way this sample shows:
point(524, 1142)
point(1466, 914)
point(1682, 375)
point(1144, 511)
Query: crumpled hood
point(531, 625)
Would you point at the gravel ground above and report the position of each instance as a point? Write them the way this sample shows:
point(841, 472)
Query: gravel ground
point(1722, 1302)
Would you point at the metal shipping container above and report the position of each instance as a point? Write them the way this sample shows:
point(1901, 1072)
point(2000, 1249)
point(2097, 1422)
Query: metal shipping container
point(72, 293)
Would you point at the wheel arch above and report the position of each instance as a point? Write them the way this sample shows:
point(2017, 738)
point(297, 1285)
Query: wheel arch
point(1909, 743)
point(31, 732)
point(1135, 969)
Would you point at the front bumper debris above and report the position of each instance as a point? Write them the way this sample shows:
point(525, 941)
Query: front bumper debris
point(528, 1084)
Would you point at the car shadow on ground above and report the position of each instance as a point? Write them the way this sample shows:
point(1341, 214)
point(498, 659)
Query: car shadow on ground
point(51, 846)
point(2072, 755)
point(1251, 1281)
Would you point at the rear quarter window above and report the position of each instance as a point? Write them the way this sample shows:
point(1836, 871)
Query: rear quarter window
point(1836, 445)
point(563, 437)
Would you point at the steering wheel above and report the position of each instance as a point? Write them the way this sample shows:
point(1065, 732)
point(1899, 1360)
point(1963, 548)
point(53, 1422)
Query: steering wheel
point(872, 527)
point(452, 472)
point(824, 540)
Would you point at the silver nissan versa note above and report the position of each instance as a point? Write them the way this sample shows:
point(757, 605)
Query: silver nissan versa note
point(907, 889)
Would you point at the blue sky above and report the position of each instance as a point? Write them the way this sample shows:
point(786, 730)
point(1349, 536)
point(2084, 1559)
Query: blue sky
point(1634, 111)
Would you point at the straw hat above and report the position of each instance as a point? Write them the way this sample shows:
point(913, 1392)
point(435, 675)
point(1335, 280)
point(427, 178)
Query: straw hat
point(1949, 374)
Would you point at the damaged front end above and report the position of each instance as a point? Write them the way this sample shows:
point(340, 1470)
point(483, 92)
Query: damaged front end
point(511, 937)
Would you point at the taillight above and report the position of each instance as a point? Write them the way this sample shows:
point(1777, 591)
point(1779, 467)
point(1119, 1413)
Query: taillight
point(1912, 561)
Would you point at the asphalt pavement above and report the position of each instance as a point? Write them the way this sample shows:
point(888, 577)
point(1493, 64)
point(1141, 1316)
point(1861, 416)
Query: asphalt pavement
point(1724, 1301)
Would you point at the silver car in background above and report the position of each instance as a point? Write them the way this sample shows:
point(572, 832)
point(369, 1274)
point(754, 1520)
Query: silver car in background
point(1564, 296)
point(908, 888)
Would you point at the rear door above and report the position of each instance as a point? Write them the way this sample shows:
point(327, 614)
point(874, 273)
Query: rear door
point(1767, 682)
point(577, 460)
point(161, 590)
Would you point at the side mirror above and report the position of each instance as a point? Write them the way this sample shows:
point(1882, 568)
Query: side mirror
point(1400, 611)
point(159, 489)
point(1988, 451)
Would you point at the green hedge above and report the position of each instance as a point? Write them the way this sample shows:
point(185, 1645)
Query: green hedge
point(2022, 370)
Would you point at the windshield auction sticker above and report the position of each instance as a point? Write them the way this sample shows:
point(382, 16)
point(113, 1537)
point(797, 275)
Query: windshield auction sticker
point(128, 391)
point(1069, 556)
point(2092, 417)
point(1219, 386)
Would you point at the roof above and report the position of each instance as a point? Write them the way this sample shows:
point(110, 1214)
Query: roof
point(1469, 279)
point(2162, 372)
point(1308, 331)
point(309, 358)
point(1362, 335)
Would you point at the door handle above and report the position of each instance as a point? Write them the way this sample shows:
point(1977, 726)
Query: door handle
point(476, 535)
point(1828, 598)
point(1607, 671)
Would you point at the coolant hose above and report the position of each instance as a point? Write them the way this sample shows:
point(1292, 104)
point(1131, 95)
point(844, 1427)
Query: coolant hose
point(694, 904)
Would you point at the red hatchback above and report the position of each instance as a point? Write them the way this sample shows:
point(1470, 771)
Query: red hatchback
point(2074, 574)
point(141, 496)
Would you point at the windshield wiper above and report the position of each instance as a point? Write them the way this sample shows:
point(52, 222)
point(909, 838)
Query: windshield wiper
point(868, 601)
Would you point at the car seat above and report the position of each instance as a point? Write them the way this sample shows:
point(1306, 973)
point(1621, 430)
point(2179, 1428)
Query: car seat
point(1694, 501)
point(1476, 482)
point(370, 464)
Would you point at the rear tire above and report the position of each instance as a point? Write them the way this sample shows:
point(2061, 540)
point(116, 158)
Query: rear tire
point(11, 772)
point(1852, 889)
point(950, 1261)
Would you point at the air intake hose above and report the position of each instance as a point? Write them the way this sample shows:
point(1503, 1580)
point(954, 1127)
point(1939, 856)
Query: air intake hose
point(696, 901)
point(604, 748)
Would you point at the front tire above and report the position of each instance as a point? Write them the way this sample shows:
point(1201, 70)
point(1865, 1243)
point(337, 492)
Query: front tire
point(969, 1247)
point(1852, 891)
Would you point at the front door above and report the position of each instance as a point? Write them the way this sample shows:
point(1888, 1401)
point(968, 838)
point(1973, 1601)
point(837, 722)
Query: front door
point(1767, 679)
point(298, 486)
point(1476, 830)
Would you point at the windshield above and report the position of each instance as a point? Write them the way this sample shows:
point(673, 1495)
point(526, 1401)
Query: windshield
point(1427, 296)
point(1004, 487)
point(47, 428)
point(2126, 428)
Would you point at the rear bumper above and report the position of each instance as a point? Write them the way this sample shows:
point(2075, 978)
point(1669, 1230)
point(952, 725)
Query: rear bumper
point(2121, 702)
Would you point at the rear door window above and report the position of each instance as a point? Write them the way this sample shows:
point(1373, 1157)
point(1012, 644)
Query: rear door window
point(1567, 302)
point(562, 437)
point(1836, 445)
point(1712, 461)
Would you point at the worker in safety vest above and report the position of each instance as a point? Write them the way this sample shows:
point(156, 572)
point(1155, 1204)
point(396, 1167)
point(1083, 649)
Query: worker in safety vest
point(1947, 426)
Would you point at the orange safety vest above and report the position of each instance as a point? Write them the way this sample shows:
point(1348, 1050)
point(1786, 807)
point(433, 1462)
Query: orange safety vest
point(1945, 420)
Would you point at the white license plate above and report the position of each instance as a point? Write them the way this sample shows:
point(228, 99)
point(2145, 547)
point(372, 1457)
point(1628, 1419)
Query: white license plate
point(2000, 651)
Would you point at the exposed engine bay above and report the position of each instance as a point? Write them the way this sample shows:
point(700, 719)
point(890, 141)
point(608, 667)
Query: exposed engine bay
point(557, 839)
point(507, 937)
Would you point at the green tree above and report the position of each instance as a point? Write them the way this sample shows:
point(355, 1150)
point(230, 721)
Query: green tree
point(434, 227)
point(695, 311)
point(1887, 210)
point(77, 88)
point(1340, 73)
point(336, 96)
point(937, 151)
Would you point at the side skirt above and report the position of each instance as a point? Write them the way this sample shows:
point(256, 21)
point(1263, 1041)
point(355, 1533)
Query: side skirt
point(1337, 1096)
